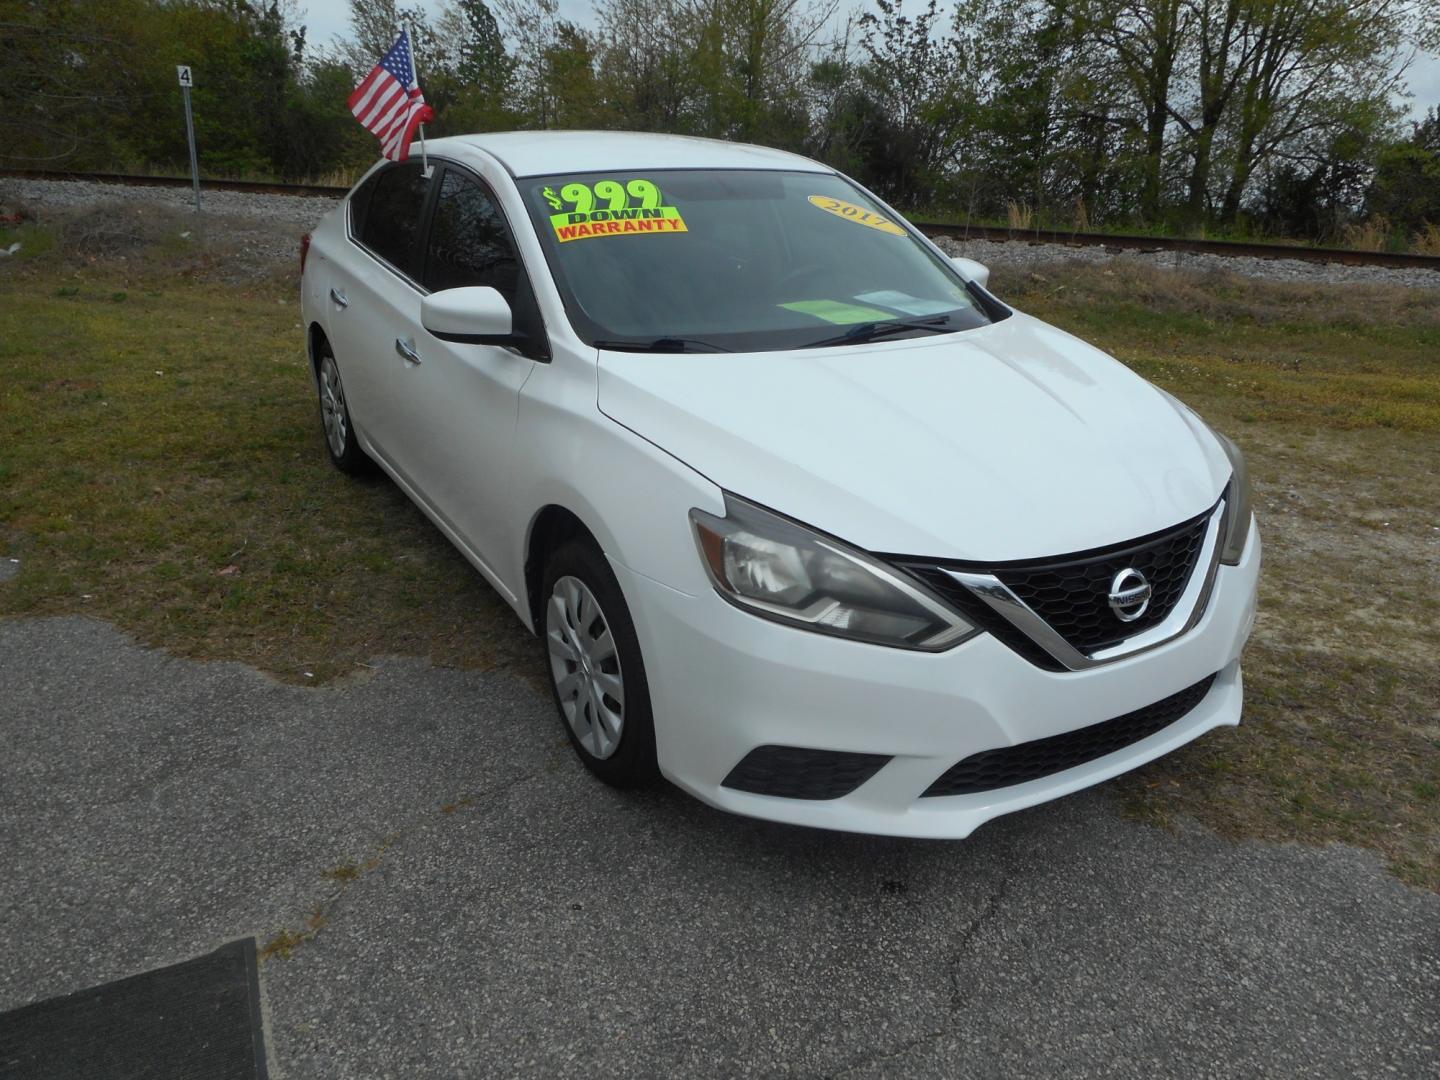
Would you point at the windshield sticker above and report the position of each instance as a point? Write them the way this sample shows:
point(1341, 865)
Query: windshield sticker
point(833, 311)
point(857, 214)
point(631, 208)
point(910, 305)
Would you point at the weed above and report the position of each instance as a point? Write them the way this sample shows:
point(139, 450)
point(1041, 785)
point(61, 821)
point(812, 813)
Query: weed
point(1426, 241)
point(283, 944)
point(1371, 234)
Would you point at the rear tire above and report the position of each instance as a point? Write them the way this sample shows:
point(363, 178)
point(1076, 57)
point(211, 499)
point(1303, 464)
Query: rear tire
point(597, 674)
point(335, 423)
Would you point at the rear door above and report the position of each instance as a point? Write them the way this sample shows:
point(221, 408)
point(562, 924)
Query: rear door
point(374, 303)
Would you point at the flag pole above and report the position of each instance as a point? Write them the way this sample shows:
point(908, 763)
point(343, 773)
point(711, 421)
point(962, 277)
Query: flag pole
point(415, 68)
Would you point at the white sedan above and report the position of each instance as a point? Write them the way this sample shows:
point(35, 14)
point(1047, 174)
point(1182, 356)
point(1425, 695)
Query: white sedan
point(808, 521)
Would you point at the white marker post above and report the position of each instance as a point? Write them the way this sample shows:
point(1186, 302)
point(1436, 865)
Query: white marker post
point(186, 81)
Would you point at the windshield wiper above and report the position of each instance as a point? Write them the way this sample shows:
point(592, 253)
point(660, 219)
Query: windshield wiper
point(664, 344)
point(870, 331)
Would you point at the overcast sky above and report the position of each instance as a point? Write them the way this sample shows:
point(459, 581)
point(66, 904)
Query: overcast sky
point(329, 18)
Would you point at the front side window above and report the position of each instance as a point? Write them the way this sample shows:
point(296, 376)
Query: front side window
point(738, 259)
point(391, 221)
point(469, 240)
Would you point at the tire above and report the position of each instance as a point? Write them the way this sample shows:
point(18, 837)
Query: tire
point(336, 425)
point(594, 660)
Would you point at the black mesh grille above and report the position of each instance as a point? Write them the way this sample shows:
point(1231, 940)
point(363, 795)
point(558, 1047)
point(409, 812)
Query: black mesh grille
point(796, 772)
point(991, 769)
point(1073, 595)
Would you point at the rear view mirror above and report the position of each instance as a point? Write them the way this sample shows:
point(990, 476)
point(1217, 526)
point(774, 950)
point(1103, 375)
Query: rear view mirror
point(977, 272)
point(473, 315)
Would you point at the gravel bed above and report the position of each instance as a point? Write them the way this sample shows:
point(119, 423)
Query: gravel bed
point(253, 235)
point(299, 211)
point(267, 226)
point(1026, 255)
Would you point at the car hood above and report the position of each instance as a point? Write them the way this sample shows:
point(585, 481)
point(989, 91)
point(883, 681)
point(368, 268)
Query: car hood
point(1011, 441)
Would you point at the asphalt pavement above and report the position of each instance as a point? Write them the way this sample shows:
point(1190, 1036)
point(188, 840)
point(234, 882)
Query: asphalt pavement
point(463, 900)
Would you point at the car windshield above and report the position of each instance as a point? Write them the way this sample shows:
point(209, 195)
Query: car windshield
point(741, 260)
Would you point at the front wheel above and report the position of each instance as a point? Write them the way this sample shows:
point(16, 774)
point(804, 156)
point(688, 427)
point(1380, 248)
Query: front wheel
point(596, 671)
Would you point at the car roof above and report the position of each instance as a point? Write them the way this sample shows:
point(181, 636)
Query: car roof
point(541, 153)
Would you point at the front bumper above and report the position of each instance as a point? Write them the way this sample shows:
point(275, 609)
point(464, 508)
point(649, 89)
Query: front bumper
point(723, 682)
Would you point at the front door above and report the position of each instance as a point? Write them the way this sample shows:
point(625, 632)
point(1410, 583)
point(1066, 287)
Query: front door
point(456, 404)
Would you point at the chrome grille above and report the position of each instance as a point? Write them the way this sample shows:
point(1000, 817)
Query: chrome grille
point(1057, 612)
point(1072, 595)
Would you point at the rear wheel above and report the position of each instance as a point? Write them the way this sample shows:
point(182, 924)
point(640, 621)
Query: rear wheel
point(596, 671)
point(340, 438)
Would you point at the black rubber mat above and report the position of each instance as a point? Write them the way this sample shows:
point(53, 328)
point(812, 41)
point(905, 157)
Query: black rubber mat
point(199, 1020)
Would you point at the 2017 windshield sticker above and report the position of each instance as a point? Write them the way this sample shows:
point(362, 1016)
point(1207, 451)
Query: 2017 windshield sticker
point(857, 214)
point(633, 208)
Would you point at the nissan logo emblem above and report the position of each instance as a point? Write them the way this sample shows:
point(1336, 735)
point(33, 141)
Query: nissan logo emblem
point(1129, 594)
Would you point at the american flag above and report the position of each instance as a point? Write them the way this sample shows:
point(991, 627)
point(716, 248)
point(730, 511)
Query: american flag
point(389, 104)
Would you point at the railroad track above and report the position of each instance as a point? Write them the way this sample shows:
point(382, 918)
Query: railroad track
point(992, 233)
point(1223, 248)
point(250, 187)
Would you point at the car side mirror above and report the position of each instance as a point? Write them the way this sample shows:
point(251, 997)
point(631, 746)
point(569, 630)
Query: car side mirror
point(473, 315)
point(977, 272)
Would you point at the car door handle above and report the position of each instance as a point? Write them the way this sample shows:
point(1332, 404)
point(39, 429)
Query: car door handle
point(407, 350)
point(339, 298)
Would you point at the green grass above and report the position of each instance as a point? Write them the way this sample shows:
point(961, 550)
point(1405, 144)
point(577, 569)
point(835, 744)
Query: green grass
point(161, 467)
point(1346, 357)
point(34, 240)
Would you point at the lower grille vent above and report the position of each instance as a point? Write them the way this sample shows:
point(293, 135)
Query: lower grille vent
point(796, 772)
point(991, 769)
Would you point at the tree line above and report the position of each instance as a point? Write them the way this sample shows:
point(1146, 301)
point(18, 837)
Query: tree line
point(1275, 116)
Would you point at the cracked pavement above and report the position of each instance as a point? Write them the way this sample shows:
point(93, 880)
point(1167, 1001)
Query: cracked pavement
point(465, 901)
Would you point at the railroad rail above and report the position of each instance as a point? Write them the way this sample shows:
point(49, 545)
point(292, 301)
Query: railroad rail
point(1001, 234)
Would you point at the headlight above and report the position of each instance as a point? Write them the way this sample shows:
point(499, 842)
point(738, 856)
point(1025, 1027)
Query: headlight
point(1238, 513)
point(778, 568)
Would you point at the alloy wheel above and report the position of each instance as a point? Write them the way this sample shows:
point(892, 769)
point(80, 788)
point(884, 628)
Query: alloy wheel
point(585, 667)
point(332, 406)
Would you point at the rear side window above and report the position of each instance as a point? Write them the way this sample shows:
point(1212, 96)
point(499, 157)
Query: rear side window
point(360, 202)
point(469, 241)
point(390, 216)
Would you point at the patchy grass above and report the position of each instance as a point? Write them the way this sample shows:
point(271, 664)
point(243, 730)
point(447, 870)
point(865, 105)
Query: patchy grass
point(1345, 357)
point(161, 466)
point(1334, 393)
point(34, 240)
